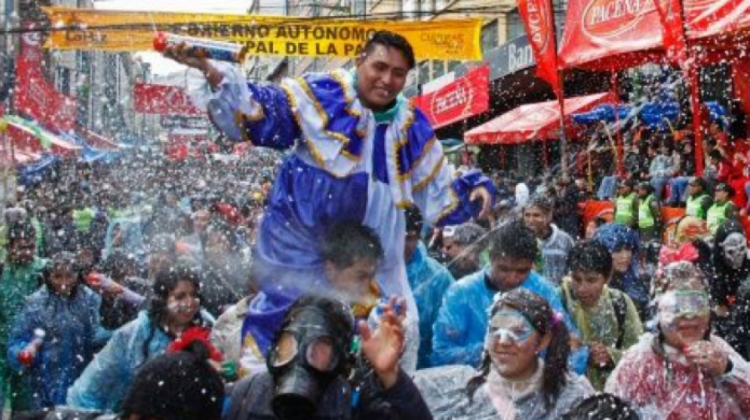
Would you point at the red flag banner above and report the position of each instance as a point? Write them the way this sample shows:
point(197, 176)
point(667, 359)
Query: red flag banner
point(539, 20)
point(36, 97)
point(163, 100)
point(673, 29)
point(459, 100)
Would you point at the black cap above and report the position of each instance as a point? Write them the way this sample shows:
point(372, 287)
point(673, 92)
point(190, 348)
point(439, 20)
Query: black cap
point(626, 183)
point(697, 181)
point(723, 186)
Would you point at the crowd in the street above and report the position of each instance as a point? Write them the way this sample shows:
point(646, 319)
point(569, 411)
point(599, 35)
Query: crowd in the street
point(107, 269)
point(145, 290)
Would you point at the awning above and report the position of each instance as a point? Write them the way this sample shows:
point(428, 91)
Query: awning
point(607, 35)
point(533, 121)
point(97, 140)
point(91, 154)
point(47, 139)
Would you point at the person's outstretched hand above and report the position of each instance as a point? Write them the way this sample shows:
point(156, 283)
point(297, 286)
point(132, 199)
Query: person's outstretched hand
point(383, 347)
point(483, 195)
point(178, 54)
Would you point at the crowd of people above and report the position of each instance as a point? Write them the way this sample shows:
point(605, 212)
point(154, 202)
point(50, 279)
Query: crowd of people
point(145, 290)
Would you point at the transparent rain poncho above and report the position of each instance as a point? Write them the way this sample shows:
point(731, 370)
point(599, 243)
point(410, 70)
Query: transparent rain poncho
point(444, 389)
point(661, 382)
point(666, 387)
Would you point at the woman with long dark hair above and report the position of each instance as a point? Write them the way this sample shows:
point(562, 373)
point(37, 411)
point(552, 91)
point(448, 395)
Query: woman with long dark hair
point(524, 371)
point(173, 310)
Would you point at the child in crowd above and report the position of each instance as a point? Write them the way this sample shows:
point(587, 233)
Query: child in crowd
point(649, 213)
point(56, 333)
point(722, 209)
point(606, 317)
point(626, 204)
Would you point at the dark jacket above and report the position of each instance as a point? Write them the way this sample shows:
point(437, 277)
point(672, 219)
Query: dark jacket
point(566, 215)
point(251, 400)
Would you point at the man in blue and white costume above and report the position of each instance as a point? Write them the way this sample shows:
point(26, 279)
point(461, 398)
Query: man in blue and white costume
point(362, 154)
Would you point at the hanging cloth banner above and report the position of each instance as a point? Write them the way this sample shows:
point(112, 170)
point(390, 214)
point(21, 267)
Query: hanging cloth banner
point(673, 30)
point(88, 29)
point(539, 21)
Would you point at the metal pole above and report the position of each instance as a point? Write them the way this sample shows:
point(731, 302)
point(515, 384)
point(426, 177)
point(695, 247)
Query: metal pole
point(563, 134)
point(8, 108)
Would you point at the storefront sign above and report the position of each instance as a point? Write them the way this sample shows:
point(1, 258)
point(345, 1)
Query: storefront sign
point(513, 56)
point(459, 100)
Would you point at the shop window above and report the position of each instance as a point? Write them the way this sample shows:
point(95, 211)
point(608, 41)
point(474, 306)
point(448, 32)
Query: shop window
point(424, 72)
point(489, 36)
point(515, 24)
point(438, 68)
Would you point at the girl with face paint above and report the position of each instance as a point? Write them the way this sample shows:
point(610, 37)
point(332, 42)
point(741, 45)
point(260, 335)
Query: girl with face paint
point(683, 370)
point(174, 309)
point(524, 372)
point(64, 319)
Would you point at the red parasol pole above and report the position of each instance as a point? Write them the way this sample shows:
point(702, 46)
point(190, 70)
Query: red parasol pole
point(695, 105)
point(563, 134)
point(618, 146)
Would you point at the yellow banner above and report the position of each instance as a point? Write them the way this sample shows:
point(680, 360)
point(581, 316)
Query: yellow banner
point(88, 29)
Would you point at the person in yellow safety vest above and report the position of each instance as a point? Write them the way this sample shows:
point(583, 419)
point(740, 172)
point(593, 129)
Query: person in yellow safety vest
point(698, 200)
point(649, 213)
point(626, 204)
point(722, 209)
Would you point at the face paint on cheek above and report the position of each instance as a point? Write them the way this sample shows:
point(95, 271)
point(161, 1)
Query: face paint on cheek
point(180, 308)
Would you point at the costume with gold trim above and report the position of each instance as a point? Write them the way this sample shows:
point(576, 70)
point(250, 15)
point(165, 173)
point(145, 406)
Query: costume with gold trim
point(349, 164)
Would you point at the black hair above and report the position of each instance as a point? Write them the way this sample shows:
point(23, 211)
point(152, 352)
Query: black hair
point(166, 281)
point(513, 240)
point(601, 407)
point(163, 242)
point(391, 40)
point(21, 230)
point(646, 186)
point(414, 221)
point(176, 386)
point(590, 256)
point(63, 260)
point(715, 154)
point(544, 320)
point(222, 228)
point(347, 242)
point(542, 203)
point(118, 260)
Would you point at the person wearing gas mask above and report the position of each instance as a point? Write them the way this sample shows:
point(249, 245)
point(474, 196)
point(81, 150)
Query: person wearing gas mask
point(731, 266)
point(319, 367)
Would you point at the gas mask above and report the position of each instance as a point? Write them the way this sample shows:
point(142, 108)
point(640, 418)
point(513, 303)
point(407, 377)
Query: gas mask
point(735, 250)
point(311, 351)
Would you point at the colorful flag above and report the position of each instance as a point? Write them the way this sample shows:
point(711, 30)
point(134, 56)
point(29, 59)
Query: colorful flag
point(539, 20)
